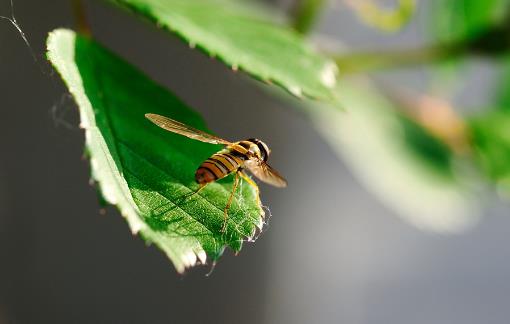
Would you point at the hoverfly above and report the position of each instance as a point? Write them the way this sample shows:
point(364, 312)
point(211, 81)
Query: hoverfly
point(235, 157)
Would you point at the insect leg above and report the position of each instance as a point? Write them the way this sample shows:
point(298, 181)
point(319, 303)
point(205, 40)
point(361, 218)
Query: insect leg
point(191, 194)
point(253, 184)
point(225, 215)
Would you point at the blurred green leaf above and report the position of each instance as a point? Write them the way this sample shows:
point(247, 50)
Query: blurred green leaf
point(243, 38)
point(459, 20)
point(490, 134)
point(431, 151)
point(142, 169)
point(502, 93)
point(491, 142)
point(389, 20)
point(459, 28)
point(409, 170)
point(306, 13)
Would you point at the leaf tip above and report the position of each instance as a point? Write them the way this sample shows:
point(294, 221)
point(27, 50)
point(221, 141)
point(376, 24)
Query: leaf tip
point(189, 258)
point(328, 74)
point(202, 256)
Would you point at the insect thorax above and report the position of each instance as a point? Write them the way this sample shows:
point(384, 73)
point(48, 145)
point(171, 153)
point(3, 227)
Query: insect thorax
point(252, 148)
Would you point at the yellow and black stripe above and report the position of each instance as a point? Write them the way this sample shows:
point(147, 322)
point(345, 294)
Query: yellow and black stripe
point(219, 165)
point(230, 159)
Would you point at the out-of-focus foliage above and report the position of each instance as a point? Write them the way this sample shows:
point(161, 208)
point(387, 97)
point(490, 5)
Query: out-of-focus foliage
point(389, 20)
point(429, 150)
point(244, 39)
point(476, 27)
point(306, 12)
point(397, 160)
point(143, 170)
point(502, 93)
point(491, 144)
point(490, 134)
point(459, 20)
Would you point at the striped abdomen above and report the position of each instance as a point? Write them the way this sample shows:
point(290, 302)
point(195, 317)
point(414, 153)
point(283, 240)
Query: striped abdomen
point(219, 165)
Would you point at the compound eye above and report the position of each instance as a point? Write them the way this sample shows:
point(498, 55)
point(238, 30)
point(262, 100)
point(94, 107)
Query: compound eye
point(264, 150)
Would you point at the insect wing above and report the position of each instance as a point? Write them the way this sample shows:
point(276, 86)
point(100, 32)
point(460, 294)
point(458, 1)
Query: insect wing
point(265, 173)
point(185, 130)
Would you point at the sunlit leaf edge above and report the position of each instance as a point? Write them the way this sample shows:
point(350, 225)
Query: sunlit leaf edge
point(112, 184)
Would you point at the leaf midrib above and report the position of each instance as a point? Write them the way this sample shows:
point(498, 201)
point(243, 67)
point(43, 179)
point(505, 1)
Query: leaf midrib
point(229, 220)
point(117, 140)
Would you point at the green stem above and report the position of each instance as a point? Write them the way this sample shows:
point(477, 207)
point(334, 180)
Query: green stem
point(375, 15)
point(359, 62)
point(305, 14)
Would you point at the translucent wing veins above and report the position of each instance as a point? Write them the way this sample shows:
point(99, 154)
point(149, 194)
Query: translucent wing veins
point(185, 130)
point(265, 173)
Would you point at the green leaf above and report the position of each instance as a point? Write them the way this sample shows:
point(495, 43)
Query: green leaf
point(305, 14)
point(409, 170)
point(142, 169)
point(459, 20)
point(243, 38)
point(490, 135)
point(429, 150)
point(502, 95)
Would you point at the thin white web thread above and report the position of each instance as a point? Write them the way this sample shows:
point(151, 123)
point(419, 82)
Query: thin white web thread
point(16, 25)
point(244, 210)
point(265, 225)
point(240, 204)
point(211, 270)
point(59, 110)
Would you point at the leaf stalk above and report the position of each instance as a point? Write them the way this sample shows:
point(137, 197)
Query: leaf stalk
point(305, 14)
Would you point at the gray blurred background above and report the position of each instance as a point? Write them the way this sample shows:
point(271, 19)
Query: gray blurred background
point(331, 252)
